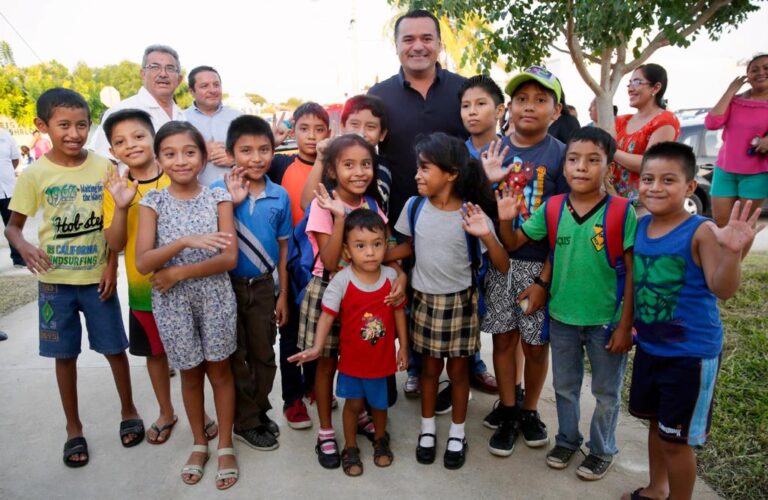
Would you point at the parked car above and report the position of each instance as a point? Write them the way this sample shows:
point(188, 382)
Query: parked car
point(705, 144)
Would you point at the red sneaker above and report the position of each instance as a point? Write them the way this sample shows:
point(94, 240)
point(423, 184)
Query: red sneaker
point(296, 415)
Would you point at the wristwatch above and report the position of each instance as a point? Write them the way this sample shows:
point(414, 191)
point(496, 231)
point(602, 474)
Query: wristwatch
point(543, 284)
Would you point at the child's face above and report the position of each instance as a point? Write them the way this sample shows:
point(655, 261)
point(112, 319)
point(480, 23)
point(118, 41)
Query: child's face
point(254, 154)
point(366, 248)
point(757, 74)
point(431, 179)
point(478, 111)
point(364, 124)
point(585, 166)
point(354, 172)
point(532, 109)
point(663, 186)
point(309, 130)
point(132, 144)
point(68, 130)
point(180, 158)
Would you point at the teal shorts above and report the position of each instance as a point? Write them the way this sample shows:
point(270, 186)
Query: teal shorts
point(745, 186)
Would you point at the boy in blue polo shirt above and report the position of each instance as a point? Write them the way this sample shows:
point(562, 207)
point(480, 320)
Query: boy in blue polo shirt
point(263, 224)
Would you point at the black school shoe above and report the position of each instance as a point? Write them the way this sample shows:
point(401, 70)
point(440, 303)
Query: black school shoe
point(502, 443)
point(258, 438)
point(269, 424)
point(455, 459)
point(328, 460)
point(534, 430)
point(426, 454)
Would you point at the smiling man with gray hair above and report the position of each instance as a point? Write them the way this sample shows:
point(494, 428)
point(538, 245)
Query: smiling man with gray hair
point(161, 75)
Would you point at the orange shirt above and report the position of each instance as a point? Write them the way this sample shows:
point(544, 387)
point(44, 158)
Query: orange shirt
point(293, 181)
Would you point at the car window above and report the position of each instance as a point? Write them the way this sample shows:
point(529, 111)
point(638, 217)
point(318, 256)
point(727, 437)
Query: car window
point(713, 140)
point(690, 136)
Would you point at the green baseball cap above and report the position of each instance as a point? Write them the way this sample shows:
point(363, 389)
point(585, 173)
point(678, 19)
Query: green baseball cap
point(540, 74)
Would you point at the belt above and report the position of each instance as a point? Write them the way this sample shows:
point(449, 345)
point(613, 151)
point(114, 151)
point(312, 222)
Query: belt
point(250, 281)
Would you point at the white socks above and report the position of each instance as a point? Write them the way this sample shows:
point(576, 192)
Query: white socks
point(456, 431)
point(428, 427)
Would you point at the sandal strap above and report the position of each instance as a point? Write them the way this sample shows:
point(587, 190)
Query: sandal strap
point(427, 434)
point(200, 448)
point(227, 473)
point(192, 470)
point(460, 440)
point(131, 426)
point(225, 451)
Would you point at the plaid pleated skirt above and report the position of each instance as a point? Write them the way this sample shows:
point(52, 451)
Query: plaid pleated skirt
point(309, 314)
point(445, 325)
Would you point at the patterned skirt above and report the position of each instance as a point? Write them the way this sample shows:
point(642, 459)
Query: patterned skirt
point(445, 325)
point(309, 314)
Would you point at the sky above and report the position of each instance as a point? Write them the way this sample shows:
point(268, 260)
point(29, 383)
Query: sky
point(311, 49)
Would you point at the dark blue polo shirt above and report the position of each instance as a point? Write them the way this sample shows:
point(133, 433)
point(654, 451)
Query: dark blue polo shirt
point(410, 116)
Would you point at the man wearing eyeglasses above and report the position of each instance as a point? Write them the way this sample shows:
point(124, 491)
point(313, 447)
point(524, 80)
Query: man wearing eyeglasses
point(161, 75)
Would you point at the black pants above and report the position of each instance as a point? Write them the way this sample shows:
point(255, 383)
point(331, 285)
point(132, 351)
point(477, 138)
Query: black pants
point(6, 214)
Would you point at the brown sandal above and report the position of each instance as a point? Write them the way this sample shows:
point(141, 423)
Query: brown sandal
point(382, 450)
point(350, 458)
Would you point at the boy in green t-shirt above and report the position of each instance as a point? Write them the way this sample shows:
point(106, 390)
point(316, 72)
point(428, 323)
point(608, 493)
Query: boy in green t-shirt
point(71, 261)
point(583, 305)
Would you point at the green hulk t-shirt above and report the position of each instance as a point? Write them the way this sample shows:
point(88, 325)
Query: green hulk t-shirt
point(583, 291)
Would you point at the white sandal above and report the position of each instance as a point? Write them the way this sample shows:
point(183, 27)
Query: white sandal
point(195, 470)
point(223, 474)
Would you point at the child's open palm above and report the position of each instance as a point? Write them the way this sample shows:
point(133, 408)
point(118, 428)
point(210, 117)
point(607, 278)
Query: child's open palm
point(122, 189)
point(740, 230)
point(493, 159)
point(237, 185)
point(508, 203)
point(475, 221)
point(330, 202)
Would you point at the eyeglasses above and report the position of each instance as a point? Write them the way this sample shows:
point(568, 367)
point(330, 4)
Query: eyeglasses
point(636, 82)
point(156, 68)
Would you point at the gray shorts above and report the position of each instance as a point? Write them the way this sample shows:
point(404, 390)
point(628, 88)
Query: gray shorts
point(503, 313)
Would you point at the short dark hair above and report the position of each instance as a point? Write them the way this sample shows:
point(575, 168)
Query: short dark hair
point(59, 98)
point(175, 127)
point(248, 125)
point(312, 109)
point(416, 14)
point(124, 115)
point(673, 151)
point(363, 218)
point(195, 71)
point(486, 83)
point(362, 102)
point(656, 74)
point(550, 92)
point(596, 136)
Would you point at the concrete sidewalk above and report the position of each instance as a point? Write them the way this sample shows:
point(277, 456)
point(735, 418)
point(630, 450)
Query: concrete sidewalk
point(32, 436)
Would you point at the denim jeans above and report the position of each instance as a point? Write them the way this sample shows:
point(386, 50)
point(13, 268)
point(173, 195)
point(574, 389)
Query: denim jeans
point(568, 344)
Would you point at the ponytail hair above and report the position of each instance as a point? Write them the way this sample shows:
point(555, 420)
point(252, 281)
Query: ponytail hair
point(451, 155)
point(656, 74)
point(332, 154)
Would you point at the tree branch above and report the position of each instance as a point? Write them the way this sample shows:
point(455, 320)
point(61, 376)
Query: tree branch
point(559, 49)
point(577, 54)
point(661, 40)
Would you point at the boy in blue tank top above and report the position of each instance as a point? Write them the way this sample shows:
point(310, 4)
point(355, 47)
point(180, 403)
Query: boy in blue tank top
point(682, 264)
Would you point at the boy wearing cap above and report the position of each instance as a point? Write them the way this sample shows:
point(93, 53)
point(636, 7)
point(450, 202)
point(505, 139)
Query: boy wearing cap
point(515, 300)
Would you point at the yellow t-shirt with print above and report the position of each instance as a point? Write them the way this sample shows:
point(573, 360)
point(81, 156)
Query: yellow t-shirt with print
point(139, 287)
point(71, 231)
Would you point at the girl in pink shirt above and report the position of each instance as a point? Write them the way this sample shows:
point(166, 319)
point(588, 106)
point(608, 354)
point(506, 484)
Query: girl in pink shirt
point(741, 172)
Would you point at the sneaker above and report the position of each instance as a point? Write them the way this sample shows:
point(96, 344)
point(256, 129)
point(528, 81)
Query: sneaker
point(412, 388)
point(493, 419)
point(297, 416)
point(444, 404)
point(270, 424)
point(502, 443)
point(259, 438)
point(559, 456)
point(594, 467)
point(534, 430)
point(484, 382)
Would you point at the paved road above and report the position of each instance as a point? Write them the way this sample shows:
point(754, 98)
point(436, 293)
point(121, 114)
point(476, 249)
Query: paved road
point(32, 435)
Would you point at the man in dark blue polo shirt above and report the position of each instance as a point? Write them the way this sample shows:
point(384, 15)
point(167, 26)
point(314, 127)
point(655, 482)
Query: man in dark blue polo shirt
point(420, 99)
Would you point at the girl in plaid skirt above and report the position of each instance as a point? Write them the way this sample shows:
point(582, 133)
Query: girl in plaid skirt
point(453, 194)
point(349, 174)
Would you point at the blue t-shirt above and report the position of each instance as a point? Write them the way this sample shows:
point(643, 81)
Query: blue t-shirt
point(260, 223)
point(544, 162)
point(676, 313)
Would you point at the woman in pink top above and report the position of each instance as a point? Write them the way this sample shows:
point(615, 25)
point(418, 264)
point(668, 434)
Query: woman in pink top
point(741, 172)
point(40, 145)
point(635, 133)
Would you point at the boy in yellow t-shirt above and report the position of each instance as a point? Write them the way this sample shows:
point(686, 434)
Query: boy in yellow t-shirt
point(71, 261)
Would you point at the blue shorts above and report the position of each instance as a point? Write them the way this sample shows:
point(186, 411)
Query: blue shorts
point(373, 390)
point(60, 328)
point(676, 391)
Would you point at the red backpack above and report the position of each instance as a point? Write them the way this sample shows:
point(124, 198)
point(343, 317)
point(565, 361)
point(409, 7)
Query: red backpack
point(614, 222)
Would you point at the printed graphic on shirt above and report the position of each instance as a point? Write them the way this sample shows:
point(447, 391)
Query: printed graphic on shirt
point(598, 240)
point(75, 219)
point(373, 328)
point(520, 175)
point(658, 281)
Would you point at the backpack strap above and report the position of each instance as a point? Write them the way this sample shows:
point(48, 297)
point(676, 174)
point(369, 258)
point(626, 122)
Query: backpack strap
point(415, 204)
point(554, 210)
point(614, 222)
